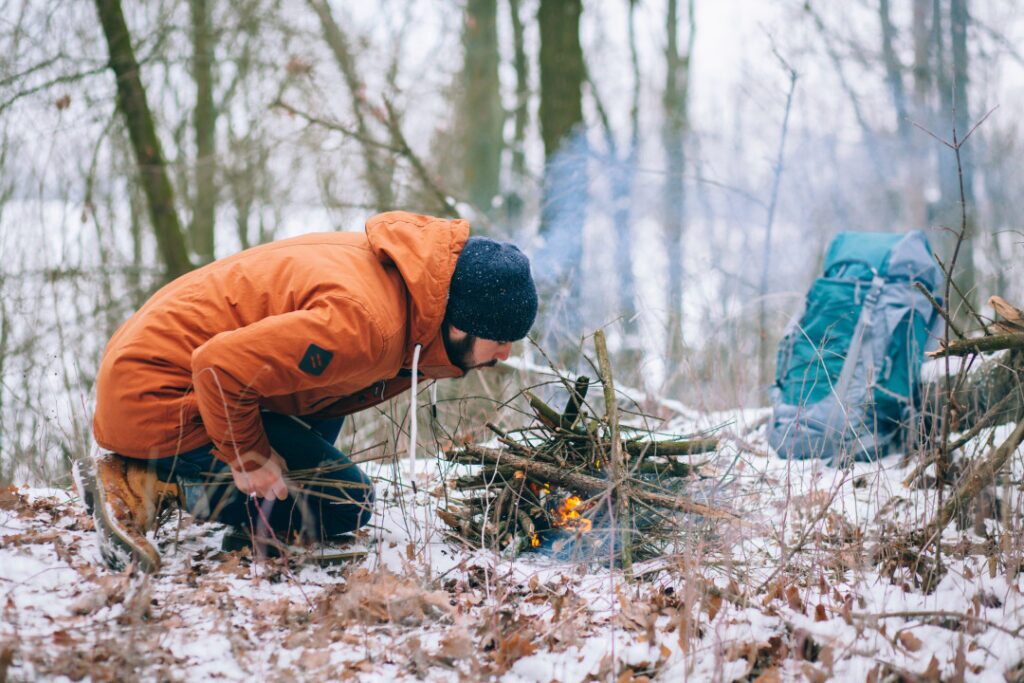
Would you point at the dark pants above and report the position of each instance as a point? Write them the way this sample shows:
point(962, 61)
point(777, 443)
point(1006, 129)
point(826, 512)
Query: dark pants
point(327, 494)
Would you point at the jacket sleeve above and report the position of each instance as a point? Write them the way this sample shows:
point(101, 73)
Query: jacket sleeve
point(334, 341)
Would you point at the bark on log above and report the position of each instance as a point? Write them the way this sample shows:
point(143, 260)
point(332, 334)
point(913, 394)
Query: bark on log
point(583, 483)
point(989, 344)
point(983, 389)
point(976, 479)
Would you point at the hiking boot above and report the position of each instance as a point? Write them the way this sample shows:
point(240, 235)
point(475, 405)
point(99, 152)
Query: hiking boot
point(126, 499)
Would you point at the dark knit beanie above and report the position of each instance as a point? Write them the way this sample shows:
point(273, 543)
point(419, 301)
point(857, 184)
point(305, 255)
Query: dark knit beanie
point(492, 295)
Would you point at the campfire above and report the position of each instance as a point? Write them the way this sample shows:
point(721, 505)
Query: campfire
point(576, 481)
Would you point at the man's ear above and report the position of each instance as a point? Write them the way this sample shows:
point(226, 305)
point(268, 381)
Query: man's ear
point(455, 334)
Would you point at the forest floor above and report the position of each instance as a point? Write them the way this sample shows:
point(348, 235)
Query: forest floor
point(792, 593)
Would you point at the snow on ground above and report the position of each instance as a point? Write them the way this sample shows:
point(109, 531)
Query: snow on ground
point(792, 592)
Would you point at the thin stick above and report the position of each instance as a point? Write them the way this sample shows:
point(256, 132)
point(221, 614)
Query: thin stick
point(617, 465)
point(938, 307)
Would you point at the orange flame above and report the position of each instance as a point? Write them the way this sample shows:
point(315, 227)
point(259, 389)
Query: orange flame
point(567, 515)
point(534, 541)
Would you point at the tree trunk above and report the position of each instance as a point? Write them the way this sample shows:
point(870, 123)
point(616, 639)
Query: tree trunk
point(521, 117)
point(205, 122)
point(565, 152)
point(893, 71)
point(676, 123)
point(131, 100)
point(915, 204)
point(522, 110)
point(624, 177)
point(951, 214)
point(480, 112)
point(967, 279)
point(376, 177)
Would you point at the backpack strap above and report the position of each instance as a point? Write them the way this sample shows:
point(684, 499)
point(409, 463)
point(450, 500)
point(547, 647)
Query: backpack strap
point(857, 346)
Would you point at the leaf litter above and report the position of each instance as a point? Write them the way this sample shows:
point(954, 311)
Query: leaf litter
point(791, 594)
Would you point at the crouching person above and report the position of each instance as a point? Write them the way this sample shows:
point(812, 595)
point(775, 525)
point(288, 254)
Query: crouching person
point(226, 391)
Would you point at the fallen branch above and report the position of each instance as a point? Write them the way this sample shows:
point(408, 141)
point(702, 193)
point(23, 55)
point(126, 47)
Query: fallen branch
point(976, 479)
point(990, 344)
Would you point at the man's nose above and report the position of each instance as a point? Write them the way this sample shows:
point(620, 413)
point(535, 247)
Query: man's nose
point(503, 352)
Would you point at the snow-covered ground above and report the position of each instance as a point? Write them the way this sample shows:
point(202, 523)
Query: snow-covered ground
point(790, 593)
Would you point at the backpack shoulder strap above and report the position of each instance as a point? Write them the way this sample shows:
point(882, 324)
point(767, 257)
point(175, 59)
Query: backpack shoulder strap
point(857, 346)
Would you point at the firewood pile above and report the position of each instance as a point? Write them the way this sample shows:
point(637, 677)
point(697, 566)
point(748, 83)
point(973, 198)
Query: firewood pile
point(573, 479)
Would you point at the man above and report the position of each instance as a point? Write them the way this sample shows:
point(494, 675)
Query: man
point(226, 391)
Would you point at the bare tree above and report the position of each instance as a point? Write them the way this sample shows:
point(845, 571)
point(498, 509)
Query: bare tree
point(480, 113)
point(377, 174)
point(675, 101)
point(204, 204)
point(149, 157)
point(951, 68)
point(562, 73)
point(521, 113)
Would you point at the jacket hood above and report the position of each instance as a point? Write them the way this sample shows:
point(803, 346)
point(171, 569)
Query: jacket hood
point(424, 249)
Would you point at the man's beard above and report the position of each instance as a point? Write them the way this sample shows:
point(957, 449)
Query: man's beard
point(460, 352)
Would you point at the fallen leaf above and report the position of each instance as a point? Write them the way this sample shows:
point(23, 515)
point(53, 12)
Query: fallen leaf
point(315, 659)
point(908, 640)
point(513, 648)
point(793, 598)
point(714, 606)
point(457, 644)
point(813, 673)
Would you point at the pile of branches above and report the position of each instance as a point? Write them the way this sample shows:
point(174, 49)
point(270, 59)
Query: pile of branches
point(574, 479)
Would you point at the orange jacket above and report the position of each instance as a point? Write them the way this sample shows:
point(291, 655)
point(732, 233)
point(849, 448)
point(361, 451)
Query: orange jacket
point(319, 325)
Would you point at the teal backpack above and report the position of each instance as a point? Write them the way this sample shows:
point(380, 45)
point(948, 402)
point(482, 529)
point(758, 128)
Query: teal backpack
point(848, 366)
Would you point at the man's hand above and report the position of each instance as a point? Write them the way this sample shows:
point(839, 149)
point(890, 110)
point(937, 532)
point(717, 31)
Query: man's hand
point(265, 481)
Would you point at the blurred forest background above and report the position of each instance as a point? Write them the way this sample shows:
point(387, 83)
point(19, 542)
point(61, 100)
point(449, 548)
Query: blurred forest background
point(675, 168)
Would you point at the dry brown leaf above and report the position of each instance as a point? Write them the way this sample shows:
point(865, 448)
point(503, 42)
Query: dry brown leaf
point(908, 640)
point(813, 673)
point(819, 613)
point(512, 648)
point(932, 672)
point(770, 675)
point(457, 644)
point(9, 498)
point(295, 639)
point(847, 611)
point(315, 659)
point(793, 598)
point(714, 604)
